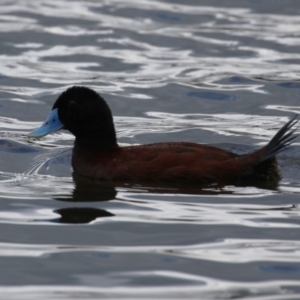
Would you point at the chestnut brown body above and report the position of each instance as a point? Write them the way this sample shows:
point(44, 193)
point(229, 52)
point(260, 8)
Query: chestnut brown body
point(172, 162)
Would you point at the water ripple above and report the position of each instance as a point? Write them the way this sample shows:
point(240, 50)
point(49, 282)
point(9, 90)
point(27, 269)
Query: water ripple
point(233, 251)
point(165, 64)
point(206, 287)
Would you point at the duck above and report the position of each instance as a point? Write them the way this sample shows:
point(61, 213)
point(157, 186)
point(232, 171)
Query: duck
point(97, 154)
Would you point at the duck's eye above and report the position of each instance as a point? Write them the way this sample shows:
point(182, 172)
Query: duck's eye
point(72, 102)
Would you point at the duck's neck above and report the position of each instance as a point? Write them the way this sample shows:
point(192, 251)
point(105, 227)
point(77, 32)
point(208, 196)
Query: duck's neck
point(100, 142)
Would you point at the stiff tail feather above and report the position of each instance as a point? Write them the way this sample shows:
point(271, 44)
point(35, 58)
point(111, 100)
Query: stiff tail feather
point(282, 139)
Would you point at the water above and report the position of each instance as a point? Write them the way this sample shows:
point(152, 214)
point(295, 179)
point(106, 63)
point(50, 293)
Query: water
point(204, 71)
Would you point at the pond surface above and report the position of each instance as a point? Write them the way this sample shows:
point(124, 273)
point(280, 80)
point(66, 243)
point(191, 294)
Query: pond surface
point(203, 71)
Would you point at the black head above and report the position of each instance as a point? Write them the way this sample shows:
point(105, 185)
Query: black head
point(85, 113)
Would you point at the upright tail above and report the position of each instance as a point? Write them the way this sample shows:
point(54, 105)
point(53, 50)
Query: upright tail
point(260, 166)
point(283, 138)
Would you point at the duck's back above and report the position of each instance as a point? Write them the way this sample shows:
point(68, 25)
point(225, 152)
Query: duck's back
point(163, 162)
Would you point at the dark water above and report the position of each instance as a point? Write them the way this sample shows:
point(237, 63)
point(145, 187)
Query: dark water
point(224, 73)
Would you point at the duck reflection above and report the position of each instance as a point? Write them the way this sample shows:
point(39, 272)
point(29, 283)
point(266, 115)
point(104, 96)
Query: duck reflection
point(85, 190)
point(89, 190)
point(80, 215)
